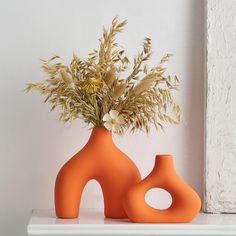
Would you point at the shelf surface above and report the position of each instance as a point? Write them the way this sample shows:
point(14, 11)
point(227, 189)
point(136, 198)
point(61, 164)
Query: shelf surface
point(92, 222)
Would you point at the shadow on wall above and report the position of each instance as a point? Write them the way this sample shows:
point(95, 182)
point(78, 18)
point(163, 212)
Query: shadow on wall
point(194, 120)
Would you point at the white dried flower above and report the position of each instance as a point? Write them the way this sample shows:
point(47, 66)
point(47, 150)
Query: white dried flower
point(113, 121)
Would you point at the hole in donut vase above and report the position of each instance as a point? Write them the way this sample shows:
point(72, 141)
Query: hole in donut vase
point(102, 161)
point(158, 198)
point(185, 201)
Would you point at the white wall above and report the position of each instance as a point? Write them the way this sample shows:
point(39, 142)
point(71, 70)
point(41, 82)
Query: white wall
point(34, 145)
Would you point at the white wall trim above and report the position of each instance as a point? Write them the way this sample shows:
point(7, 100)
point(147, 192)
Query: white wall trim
point(220, 149)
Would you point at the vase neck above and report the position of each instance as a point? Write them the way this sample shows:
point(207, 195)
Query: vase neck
point(100, 136)
point(164, 163)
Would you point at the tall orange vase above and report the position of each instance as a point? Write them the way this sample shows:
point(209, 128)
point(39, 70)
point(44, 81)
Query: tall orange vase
point(185, 201)
point(100, 160)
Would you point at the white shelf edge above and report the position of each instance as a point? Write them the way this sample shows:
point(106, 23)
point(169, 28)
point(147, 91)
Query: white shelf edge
point(45, 223)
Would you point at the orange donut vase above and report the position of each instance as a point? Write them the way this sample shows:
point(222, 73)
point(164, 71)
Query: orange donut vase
point(100, 160)
point(185, 201)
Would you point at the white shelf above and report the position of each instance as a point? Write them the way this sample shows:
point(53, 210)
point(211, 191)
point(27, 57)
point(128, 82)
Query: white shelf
point(92, 222)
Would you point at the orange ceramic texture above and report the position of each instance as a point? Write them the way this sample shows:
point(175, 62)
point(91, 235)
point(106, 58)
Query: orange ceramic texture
point(185, 202)
point(100, 160)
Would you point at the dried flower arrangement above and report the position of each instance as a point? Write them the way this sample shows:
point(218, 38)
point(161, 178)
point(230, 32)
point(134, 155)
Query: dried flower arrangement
point(95, 90)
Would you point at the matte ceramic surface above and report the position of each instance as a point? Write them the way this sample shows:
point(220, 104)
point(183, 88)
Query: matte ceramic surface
point(101, 160)
point(185, 201)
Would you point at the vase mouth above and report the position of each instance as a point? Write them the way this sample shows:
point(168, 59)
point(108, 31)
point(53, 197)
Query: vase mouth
point(164, 156)
point(164, 162)
point(100, 136)
point(101, 128)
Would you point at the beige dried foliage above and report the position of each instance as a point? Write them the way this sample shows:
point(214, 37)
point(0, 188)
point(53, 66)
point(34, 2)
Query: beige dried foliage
point(119, 90)
point(144, 84)
point(90, 88)
point(110, 77)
